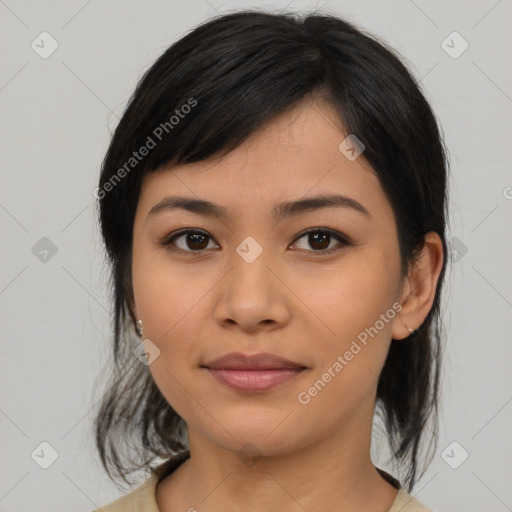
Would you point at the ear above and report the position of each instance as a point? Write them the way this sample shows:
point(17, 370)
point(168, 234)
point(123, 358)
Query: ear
point(134, 314)
point(132, 310)
point(419, 287)
point(129, 298)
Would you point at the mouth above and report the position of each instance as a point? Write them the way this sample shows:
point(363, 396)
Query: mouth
point(253, 373)
point(252, 381)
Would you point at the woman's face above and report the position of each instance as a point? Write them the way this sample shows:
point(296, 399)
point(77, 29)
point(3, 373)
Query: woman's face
point(256, 283)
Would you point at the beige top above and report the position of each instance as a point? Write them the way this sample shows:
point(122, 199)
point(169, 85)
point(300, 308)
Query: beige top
point(142, 499)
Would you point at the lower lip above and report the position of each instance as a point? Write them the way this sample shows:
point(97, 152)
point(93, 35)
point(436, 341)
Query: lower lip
point(255, 380)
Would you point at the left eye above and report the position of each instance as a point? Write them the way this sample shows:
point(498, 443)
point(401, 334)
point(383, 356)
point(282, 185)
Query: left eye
point(321, 238)
point(197, 241)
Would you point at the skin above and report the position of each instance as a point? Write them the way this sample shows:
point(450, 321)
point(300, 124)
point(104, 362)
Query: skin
point(292, 301)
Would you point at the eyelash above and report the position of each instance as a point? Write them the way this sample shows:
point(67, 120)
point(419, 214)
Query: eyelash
point(168, 242)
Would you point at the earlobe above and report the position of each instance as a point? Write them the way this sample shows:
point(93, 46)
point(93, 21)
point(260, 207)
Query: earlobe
point(137, 322)
point(138, 327)
point(420, 287)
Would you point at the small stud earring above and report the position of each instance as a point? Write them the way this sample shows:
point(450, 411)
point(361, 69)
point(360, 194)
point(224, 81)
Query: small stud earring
point(139, 327)
point(412, 331)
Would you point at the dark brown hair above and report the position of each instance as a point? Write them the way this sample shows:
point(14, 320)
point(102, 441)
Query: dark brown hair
point(234, 73)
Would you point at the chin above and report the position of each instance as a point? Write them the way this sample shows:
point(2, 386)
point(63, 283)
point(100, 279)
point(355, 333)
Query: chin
point(254, 441)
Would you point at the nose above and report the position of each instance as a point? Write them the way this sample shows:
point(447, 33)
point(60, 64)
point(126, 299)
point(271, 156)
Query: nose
point(253, 295)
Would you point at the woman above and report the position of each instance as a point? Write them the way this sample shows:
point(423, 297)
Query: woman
point(273, 206)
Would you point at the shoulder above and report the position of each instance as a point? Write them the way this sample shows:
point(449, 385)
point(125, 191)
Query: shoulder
point(142, 498)
point(404, 502)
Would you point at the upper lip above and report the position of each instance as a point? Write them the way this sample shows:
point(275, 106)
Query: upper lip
point(262, 361)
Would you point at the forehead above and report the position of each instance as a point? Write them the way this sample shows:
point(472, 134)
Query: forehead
point(295, 155)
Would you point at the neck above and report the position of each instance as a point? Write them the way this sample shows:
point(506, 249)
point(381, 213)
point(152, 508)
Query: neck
point(335, 473)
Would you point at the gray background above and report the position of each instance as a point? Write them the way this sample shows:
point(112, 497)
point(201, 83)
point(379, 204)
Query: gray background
point(56, 117)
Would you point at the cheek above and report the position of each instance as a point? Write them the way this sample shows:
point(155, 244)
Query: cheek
point(352, 296)
point(354, 303)
point(169, 307)
point(167, 295)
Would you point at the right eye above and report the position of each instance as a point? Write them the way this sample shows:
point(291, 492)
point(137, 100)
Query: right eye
point(192, 240)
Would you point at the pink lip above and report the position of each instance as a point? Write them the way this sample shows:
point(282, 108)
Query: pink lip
point(255, 380)
point(261, 361)
point(251, 373)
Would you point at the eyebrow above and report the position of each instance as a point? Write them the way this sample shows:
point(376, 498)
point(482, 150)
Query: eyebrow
point(279, 211)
